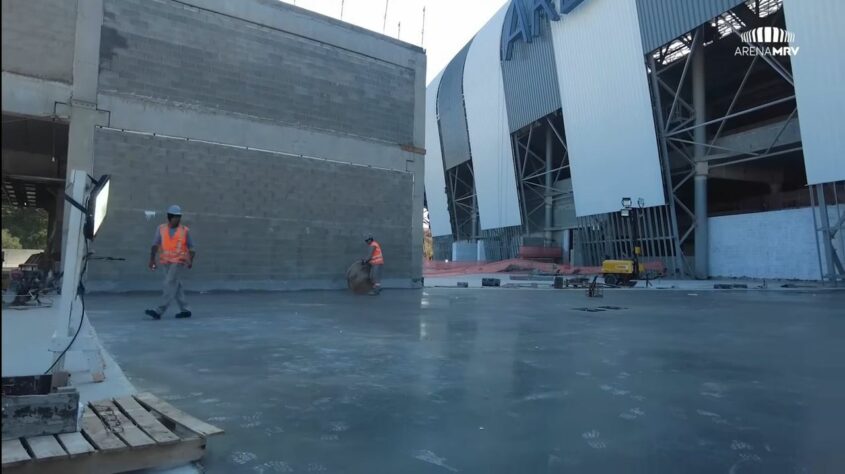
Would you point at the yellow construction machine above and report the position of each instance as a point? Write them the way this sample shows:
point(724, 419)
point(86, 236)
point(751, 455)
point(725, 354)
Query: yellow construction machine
point(624, 272)
point(616, 272)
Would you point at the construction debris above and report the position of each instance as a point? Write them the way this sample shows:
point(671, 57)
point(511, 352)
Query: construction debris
point(32, 408)
point(117, 435)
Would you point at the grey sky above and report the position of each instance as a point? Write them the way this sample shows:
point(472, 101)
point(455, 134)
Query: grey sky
point(449, 24)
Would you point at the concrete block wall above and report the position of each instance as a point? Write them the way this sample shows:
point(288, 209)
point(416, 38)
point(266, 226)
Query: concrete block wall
point(776, 245)
point(259, 220)
point(38, 38)
point(167, 51)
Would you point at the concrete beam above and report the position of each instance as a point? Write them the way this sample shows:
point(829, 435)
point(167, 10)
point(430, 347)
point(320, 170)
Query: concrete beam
point(760, 138)
point(748, 172)
point(28, 164)
point(24, 95)
point(183, 122)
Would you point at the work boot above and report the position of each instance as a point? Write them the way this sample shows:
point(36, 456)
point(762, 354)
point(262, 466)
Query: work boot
point(153, 314)
point(183, 315)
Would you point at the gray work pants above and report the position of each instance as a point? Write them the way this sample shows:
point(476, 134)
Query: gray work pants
point(375, 274)
point(173, 288)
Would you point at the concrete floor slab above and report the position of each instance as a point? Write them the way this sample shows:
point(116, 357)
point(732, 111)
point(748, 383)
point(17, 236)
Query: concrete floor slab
point(499, 381)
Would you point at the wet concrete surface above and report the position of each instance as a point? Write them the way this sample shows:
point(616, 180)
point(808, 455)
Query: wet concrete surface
point(498, 380)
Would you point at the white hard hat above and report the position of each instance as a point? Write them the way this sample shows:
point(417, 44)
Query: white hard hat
point(174, 210)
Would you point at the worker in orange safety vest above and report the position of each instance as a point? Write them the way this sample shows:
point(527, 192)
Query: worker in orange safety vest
point(177, 254)
point(376, 262)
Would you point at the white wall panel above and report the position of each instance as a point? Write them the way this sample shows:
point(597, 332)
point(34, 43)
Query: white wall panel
point(607, 107)
point(777, 244)
point(435, 179)
point(819, 71)
point(489, 137)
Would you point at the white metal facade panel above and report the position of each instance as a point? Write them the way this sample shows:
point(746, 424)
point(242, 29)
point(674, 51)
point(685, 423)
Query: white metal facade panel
point(607, 107)
point(435, 178)
point(819, 71)
point(489, 136)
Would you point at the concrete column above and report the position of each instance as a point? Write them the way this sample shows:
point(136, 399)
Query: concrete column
point(699, 102)
point(82, 109)
point(416, 164)
point(549, 196)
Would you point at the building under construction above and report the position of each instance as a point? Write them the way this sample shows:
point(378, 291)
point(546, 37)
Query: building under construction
point(285, 136)
point(723, 119)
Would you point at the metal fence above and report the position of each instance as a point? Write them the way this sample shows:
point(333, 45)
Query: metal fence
point(443, 247)
point(502, 244)
point(608, 236)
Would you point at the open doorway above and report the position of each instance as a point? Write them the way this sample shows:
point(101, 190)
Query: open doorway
point(34, 155)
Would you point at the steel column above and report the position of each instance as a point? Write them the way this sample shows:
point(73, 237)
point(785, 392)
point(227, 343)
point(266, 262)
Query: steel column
point(549, 193)
point(699, 103)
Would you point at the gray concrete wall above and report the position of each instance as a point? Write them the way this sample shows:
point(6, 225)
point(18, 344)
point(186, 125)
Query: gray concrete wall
point(166, 51)
point(38, 38)
point(371, 124)
point(259, 220)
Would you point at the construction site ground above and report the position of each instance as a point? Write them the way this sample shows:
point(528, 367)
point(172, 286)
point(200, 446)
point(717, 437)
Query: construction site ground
point(498, 381)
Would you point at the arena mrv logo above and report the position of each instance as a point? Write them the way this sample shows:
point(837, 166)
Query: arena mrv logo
point(767, 41)
point(525, 18)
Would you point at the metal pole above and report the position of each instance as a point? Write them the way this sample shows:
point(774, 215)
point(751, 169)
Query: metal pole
point(384, 25)
point(521, 172)
point(816, 230)
point(699, 103)
point(474, 216)
point(422, 34)
point(829, 272)
point(549, 193)
point(454, 204)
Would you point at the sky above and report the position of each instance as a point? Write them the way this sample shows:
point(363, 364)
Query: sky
point(449, 24)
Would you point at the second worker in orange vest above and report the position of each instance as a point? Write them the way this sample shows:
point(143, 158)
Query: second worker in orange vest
point(177, 254)
point(376, 262)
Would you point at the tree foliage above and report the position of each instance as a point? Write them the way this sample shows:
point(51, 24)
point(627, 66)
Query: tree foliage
point(25, 224)
point(10, 241)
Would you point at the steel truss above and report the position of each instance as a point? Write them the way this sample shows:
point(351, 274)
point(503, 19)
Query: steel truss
point(536, 174)
point(463, 201)
point(829, 225)
point(688, 146)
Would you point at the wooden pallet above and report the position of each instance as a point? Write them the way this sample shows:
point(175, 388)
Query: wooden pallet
point(117, 435)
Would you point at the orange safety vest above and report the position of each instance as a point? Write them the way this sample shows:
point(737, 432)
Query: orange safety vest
point(173, 249)
point(378, 258)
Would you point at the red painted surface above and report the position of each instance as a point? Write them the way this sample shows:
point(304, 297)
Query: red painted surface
point(516, 265)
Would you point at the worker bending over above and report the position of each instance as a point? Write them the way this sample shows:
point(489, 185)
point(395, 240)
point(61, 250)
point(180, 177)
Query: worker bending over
point(376, 262)
point(177, 254)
